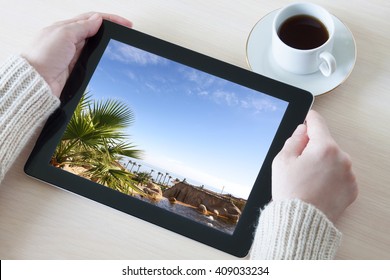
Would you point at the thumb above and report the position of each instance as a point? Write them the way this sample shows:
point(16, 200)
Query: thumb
point(295, 145)
point(86, 28)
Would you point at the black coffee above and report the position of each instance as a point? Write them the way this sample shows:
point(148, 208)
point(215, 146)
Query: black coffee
point(303, 32)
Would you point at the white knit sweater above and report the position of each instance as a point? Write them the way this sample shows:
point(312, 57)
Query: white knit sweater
point(25, 103)
point(294, 230)
point(287, 230)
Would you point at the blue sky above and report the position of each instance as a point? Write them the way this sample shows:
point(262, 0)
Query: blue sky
point(188, 122)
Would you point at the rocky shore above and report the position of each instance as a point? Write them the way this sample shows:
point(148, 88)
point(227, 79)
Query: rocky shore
point(206, 201)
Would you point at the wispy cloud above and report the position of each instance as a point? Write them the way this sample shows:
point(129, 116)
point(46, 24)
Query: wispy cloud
point(203, 93)
point(130, 55)
point(152, 87)
point(221, 92)
point(259, 104)
point(131, 75)
point(199, 83)
point(224, 97)
point(201, 79)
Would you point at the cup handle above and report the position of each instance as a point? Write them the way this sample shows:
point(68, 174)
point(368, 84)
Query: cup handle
point(328, 64)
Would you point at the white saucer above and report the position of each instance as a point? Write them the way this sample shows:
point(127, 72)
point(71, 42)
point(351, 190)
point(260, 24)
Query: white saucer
point(260, 59)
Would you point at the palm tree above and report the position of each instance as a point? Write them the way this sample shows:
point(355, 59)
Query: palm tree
point(94, 139)
point(159, 181)
point(134, 164)
point(158, 175)
point(166, 174)
point(143, 177)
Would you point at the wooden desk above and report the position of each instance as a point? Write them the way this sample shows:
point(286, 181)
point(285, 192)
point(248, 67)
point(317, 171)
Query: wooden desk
point(38, 221)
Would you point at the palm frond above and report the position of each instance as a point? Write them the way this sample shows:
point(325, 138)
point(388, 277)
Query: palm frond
point(95, 140)
point(111, 113)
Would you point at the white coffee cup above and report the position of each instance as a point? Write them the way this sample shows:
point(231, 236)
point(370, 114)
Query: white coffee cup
point(304, 61)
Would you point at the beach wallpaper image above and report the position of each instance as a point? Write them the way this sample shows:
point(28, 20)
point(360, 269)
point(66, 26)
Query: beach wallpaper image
point(170, 135)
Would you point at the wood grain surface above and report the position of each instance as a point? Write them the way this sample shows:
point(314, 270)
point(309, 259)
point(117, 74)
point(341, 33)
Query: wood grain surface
point(39, 221)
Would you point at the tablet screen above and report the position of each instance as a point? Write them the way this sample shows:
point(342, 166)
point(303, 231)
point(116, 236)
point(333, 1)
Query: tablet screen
point(170, 135)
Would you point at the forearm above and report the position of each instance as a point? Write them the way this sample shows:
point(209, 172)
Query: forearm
point(25, 103)
point(294, 230)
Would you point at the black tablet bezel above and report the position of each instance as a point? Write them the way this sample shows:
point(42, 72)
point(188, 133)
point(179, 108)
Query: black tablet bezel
point(237, 244)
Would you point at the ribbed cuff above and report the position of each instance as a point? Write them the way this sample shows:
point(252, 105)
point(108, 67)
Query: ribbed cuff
point(294, 230)
point(25, 103)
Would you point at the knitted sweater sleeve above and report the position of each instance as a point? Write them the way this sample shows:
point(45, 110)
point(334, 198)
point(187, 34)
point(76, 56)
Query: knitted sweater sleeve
point(25, 103)
point(296, 230)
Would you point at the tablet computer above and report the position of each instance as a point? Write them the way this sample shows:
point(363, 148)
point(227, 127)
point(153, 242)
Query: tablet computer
point(168, 135)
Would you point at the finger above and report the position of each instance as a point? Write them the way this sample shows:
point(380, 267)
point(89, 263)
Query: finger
point(83, 29)
point(111, 17)
point(316, 127)
point(83, 16)
point(295, 145)
point(118, 19)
